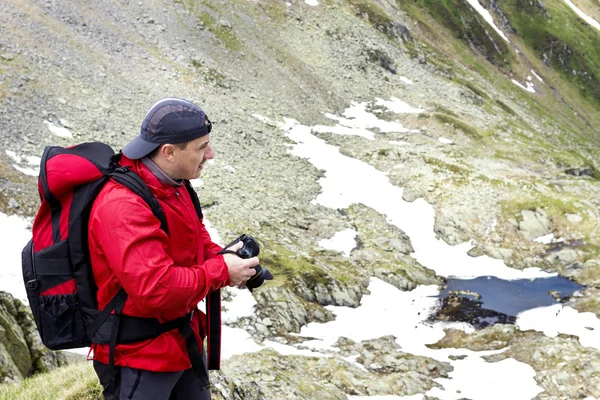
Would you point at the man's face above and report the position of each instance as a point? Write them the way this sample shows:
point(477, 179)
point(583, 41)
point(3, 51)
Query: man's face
point(188, 163)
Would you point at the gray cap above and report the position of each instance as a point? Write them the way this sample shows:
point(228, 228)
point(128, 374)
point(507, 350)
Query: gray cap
point(170, 120)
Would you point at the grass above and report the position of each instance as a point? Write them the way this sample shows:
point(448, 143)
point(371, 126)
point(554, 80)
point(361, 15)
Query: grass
point(74, 382)
point(469, 130)
point(468, 26)
point(225, 35)
point(375, 15)
point(561, 39)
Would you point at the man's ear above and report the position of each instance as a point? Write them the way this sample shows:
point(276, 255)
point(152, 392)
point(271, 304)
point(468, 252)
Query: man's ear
point(168, 152)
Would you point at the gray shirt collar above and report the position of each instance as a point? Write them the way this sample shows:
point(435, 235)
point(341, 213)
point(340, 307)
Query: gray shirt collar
point(160, 174)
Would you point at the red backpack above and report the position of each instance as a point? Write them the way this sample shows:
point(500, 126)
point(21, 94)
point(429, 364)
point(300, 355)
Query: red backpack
point(56, 264)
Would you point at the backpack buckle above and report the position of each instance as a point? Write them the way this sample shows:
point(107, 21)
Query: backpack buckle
point(122, 170)
point(32, 284)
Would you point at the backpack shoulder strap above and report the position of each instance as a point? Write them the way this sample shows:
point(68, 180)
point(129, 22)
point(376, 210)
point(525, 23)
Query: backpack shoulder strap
point(194, 197)
point(133, 182)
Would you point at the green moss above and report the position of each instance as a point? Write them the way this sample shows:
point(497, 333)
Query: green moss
point(374, 14)
point(225, 35)
point(552, 205)
point(446, 111)
point(505, 107)
point(468, 26)
point(210, 74)
point(285, 265)
point(447, 167)
point(457, 123)
point(560, 39)
point(275, 9)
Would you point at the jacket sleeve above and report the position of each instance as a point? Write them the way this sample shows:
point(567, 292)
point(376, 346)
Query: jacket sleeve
point(136, 249)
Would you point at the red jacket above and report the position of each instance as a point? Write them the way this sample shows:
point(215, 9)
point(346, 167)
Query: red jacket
point(164, 276)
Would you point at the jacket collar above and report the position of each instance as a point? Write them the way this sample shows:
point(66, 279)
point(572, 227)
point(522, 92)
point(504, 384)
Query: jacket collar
point(159, 189)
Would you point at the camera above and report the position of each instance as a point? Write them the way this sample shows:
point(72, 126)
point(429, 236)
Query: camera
point(250, 249)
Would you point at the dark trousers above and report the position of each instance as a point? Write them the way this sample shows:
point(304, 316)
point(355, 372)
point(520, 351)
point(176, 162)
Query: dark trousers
point(137, 384)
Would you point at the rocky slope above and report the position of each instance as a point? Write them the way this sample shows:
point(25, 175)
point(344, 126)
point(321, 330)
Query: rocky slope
point(521, 164)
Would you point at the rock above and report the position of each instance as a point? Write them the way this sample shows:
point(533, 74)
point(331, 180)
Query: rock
point(12, 203)
point(499, 253)
point(574, 218)
point(583, 171)
point(451, 228)
point(564, 368)
point(285, 312)
point(496, 238)
point(21, 350)
point(7, 56)
point(65, 124)
point(534, 224)
point(564, 257)
point(225, 23)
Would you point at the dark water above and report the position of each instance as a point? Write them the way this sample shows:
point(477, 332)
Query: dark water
point(489, 300)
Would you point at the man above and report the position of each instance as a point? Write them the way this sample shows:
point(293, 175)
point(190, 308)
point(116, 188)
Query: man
point(164, 273)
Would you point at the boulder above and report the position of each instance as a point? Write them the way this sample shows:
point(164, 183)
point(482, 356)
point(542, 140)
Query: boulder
point(535, 224)
point(22, 352)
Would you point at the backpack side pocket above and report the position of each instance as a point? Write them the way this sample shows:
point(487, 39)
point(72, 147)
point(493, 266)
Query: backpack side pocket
point(53, 297)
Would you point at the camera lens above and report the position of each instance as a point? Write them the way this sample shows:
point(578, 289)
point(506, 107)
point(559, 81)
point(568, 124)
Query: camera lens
point(259, 278)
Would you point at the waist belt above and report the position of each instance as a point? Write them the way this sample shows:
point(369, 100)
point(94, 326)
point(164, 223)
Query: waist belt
point(110, 327)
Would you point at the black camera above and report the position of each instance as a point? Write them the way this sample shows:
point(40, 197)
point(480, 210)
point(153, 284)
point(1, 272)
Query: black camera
point(250, 249)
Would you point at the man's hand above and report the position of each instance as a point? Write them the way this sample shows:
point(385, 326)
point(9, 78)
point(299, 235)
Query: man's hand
point(240, 270)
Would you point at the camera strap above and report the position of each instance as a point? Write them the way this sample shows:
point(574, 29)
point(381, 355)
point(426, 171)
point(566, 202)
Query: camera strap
point(227, 251)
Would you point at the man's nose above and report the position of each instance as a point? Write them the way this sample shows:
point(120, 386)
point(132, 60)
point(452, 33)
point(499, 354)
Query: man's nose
point(209, 154)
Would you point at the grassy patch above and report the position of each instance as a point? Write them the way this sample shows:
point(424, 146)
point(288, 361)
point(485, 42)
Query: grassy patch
point(375, 15)
point(552, 205)
point(447, 167)
point(225, 35)
point(468, 26)
point(470, 130)
point(560, 39)
point(74, 382)
point(505, 107)
point(211, 75)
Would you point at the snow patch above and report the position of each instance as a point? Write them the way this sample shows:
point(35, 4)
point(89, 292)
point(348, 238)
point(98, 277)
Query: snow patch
point(398, 106)
point(14, 235)
point(561, 319)
point(444, 140)
point(58, 130)
point(343, 242)
point(546, 239)
point(537, 76)
point(487, 16)
point(32, 163)
point(530, 87)
point(313, 3)
point(583, 15)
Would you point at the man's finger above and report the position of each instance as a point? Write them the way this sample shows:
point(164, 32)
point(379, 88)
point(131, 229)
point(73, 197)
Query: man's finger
point(251, 262)
point(236, 246)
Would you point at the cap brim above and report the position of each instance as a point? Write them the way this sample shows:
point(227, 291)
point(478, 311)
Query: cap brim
point(138, 148)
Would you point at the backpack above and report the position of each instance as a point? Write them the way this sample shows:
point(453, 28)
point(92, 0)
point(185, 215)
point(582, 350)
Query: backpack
point(57, 271)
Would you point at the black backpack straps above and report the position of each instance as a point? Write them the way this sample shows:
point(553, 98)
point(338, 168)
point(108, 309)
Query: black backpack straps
point(53, 202)
point(133, 182)
point(213, 312)
point(213, 305)
point(118, 304)
point(119, 298)
point(194, 352)
point(194, 197)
